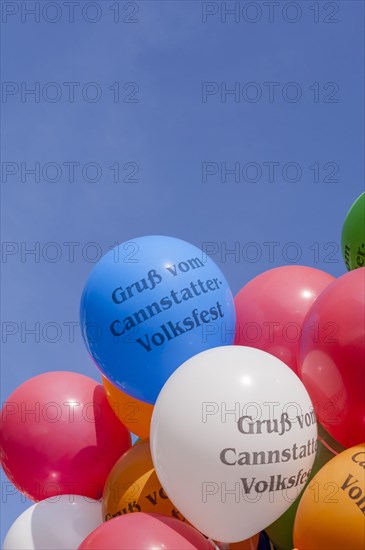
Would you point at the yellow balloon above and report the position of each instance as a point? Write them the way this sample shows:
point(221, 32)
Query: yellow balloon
point(133, 486)
point(331, 513)
point(135, 415)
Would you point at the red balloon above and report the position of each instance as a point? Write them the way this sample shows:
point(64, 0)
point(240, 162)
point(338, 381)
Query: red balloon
point(59, 435)
point(140, 531)
point(332, 357)
point(271, 308)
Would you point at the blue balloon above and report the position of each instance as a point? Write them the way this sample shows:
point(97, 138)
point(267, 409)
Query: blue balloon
point(149, 305)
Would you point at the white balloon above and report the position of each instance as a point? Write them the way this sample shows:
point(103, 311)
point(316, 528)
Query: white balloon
point(233, 440)
point(57, 523)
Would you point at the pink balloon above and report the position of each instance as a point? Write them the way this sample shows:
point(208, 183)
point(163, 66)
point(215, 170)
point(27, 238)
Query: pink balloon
point(58, 435)
point(271, 309)
point(140, 531)
point(332, 357)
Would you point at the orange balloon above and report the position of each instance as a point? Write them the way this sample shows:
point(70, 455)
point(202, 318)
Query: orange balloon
point(331, 512)
point(135, 415)
point(133, 486)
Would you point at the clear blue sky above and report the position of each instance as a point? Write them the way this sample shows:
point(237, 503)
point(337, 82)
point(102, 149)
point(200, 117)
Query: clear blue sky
point(309, 51)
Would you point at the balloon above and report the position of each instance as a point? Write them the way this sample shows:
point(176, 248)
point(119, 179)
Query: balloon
point(145, 532)
point(248, 544)
point(149, 305)
point(133, 486)
point(135, 415)
point(271, 308)
point(331, 511)
point(332, 358)
point(281, 531)
point(232, 427)
point(58, 523)
point(58, 435)
point(353, 235)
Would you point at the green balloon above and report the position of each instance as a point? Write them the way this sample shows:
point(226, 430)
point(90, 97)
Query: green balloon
point(353, 235)
point(281, 531)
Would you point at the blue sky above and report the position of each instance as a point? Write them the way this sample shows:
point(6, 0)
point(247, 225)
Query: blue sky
point(300, 162)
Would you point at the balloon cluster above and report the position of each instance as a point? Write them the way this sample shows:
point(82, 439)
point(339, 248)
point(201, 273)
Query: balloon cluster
point(250, 410)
